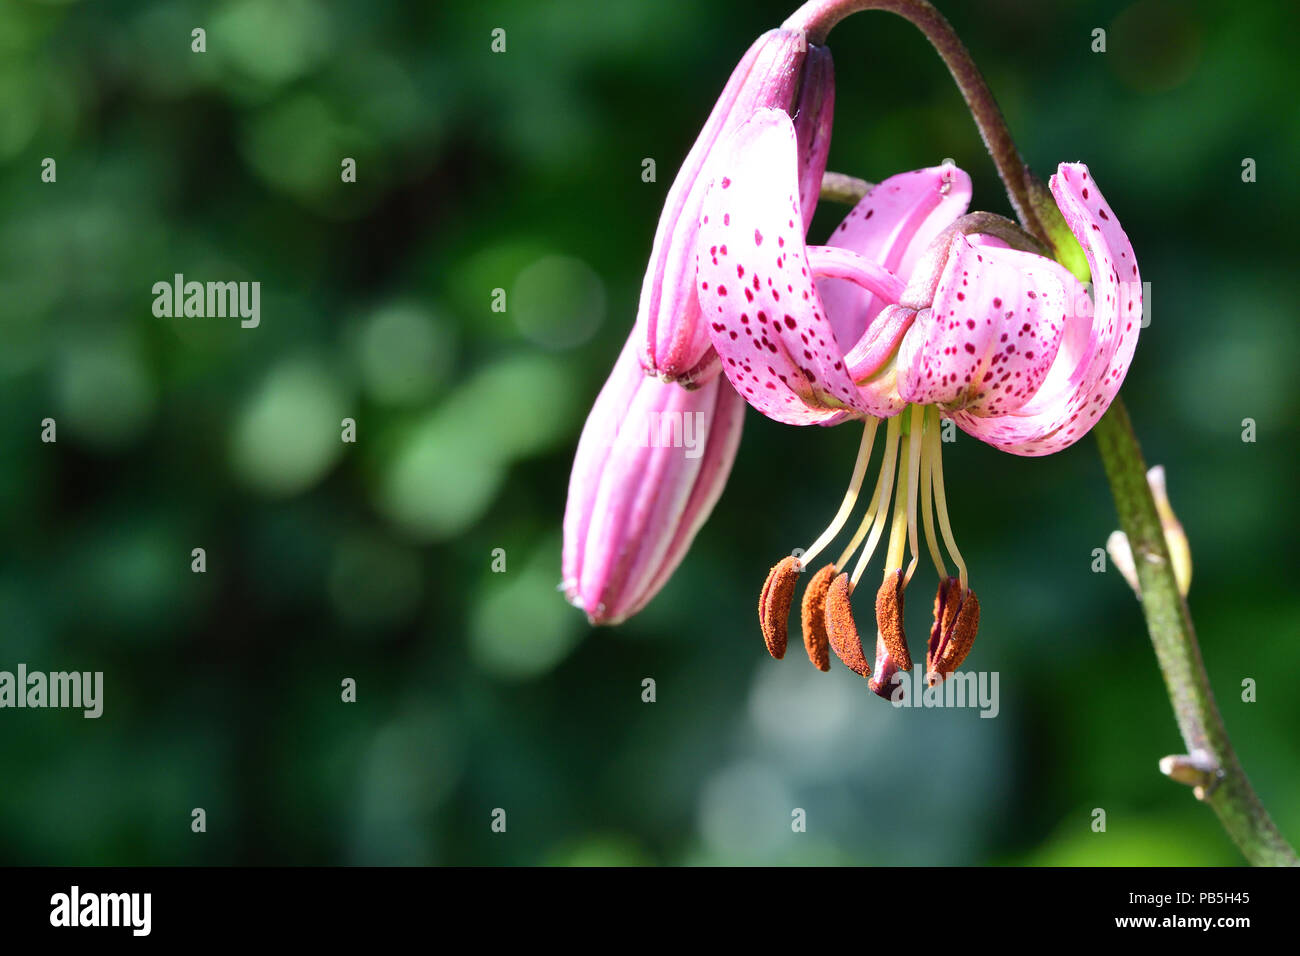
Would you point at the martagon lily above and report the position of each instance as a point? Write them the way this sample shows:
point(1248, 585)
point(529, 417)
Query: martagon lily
point(914, 313)
point(911, 314)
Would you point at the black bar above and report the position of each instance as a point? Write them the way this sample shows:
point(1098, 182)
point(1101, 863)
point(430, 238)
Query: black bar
point(331, 905)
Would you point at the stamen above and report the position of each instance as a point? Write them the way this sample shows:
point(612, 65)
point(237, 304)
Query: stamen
point(941, 504)
point(889, 618)
point(927, 508)
point(866, 522)
point(813, 617)
point(774, 604)
point(844, 640)
point(850, 496)
point(841, 631)
point(886, 486)
point(956, 622)
point(889, 599)
point(914, 445)
point(898, 527)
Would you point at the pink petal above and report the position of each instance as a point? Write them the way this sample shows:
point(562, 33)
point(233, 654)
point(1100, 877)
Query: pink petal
point(892, 225)
point(777, 65)
point(814, 114)
point(877, 393)
point(1099, 340)
point(723, 439)
point(756, 289)
point(880, 341)
point(598, 441)
point(991, 335)
point(651, 462)
point(875, 376)
point(832, 262)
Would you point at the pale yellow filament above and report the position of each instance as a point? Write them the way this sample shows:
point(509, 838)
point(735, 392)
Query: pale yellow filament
point(898, 530)
point(886, 486)
point(850, 496)
point(914, 446)
point(927, 507)
point(941, 504)
point(865, 524)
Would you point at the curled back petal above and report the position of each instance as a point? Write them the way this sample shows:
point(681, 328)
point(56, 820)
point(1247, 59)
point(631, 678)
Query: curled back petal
point(993, 330)
point(755, 284)
point(1099, 339)
point(780, 70)
point(892, 225)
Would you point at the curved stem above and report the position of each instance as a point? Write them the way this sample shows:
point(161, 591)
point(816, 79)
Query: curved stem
point(817, 17)
point(1211, 763)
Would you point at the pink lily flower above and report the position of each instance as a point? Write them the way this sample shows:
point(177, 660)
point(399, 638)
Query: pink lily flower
point(911, 315)
point(780, 71)
point(651, 463)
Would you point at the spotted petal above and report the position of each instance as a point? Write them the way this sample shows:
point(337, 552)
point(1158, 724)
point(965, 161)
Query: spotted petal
point(756, 288)
point(1099, 340)
point(781, 70)
point(891, 225)
point(987, 342)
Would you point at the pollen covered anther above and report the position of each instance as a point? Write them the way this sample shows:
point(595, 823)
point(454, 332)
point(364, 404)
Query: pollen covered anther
point(889, 619)
point(841, 631)
point(813, 617)
point(774, 604)
point(956, 620)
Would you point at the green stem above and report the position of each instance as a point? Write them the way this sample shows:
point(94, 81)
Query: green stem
point(1223, 783)
point(817, 17)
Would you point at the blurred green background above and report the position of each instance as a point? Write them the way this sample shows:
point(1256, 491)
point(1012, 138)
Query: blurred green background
point(372, 560)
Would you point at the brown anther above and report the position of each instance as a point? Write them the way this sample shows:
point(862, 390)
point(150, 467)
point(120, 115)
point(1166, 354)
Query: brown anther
point(841, 632)
point(774, 604)
point(956, 619)
point(813, 615)
point(889, 619)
